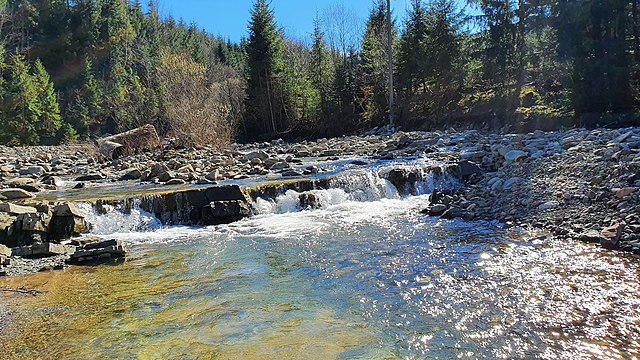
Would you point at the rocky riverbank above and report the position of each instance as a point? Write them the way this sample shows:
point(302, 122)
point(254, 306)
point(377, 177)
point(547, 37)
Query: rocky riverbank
point(580, 184)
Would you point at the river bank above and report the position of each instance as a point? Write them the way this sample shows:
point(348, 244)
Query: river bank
point(576, 184)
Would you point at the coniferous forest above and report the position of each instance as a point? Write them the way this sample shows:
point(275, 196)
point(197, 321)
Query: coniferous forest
point(74, 70)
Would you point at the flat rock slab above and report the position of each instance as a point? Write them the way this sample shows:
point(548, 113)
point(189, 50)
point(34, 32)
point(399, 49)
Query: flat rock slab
point(17, 209)
point(101, 252)
point(5, 250)
point(43, 250)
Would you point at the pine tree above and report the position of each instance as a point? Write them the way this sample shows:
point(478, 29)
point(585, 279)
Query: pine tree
point(374, 65)
point(443, 45)
point(265, 104)
point(49, 120)
point(412, 52)
point(320, 71)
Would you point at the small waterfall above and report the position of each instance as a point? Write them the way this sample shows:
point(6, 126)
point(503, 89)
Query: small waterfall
point(195, 207)
point(361, 186)
point(106, 219)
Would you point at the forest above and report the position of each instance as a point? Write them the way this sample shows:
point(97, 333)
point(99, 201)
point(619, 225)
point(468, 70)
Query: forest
point(75, 70)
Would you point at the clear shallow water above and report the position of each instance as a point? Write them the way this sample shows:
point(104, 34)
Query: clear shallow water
point(354, 280)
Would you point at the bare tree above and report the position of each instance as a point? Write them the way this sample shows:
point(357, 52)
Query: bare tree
point(343, 29)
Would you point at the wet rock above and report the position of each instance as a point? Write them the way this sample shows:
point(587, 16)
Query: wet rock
point(91, 177)
point(309, 201)
point(68, 221)
point(280, 166)
point(14, 194)
point(67, 209)
point(53, 180)
point(291, 173)
point(100, 252)
point(436, 210)
point(176, 182)
point(225, 212)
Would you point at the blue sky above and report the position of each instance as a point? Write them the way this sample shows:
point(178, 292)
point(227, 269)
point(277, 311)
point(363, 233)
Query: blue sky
point(229, 18)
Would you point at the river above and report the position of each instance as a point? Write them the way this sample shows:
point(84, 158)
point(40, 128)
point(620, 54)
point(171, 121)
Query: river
point(360, 277)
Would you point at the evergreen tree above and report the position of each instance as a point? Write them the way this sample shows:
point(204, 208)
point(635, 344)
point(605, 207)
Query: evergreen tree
point(320, 71)
point(265, 103)
point(412, 52)
point(374, 65)
point(49, 120)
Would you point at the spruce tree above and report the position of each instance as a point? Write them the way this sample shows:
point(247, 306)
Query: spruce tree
point(265, 111)
point(49, 120)
point(412, 52)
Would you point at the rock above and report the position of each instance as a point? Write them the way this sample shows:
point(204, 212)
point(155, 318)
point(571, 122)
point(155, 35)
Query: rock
point(79, 186)
point(291, 173)
point(280, 166)
point(90, 177)
point(110, 149)
point(550, 205)
point(515, 155)
point(512, 182)
point(136, 141)
point(131, 174)
point(185, 169)
point(67, 209)
point(591, 237)
point(37, 222)
point(5, 250)
point(610, 236)
point(465, 169)
point(263, 156)
point(624, 192)
point(436, 210)
point(225, 212)
point(43, 250)
point(100, 252)
point(32, 170)
point(14, 194)
point(596, 180)
point(309, 201)
point(213, 175)
point(176, 182)
point(16, 209)
point(161, 172)
point(53, 180)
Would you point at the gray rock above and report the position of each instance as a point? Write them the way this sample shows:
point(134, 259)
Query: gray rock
point(43, 250)
point(465, 169)
point(263, 156)
point(90, 177)
point(32, 170)
point(436, 210)
point(280, 166)
point(67, 209)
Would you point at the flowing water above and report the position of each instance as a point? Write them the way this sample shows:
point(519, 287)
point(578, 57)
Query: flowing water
point(361, 275)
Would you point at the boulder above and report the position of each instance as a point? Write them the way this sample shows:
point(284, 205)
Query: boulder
point(466, 169)
point(610, 236)
point(136, 141)
point(591, 237)
point(32, 170)
point(35, 222)
point(14, 194)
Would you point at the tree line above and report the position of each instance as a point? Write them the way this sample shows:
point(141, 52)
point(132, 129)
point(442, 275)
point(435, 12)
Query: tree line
point(77, 69)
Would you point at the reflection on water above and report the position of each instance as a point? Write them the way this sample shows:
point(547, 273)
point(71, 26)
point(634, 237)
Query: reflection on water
point(351, 281)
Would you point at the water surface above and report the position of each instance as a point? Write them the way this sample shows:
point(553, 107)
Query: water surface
point(353, 280)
